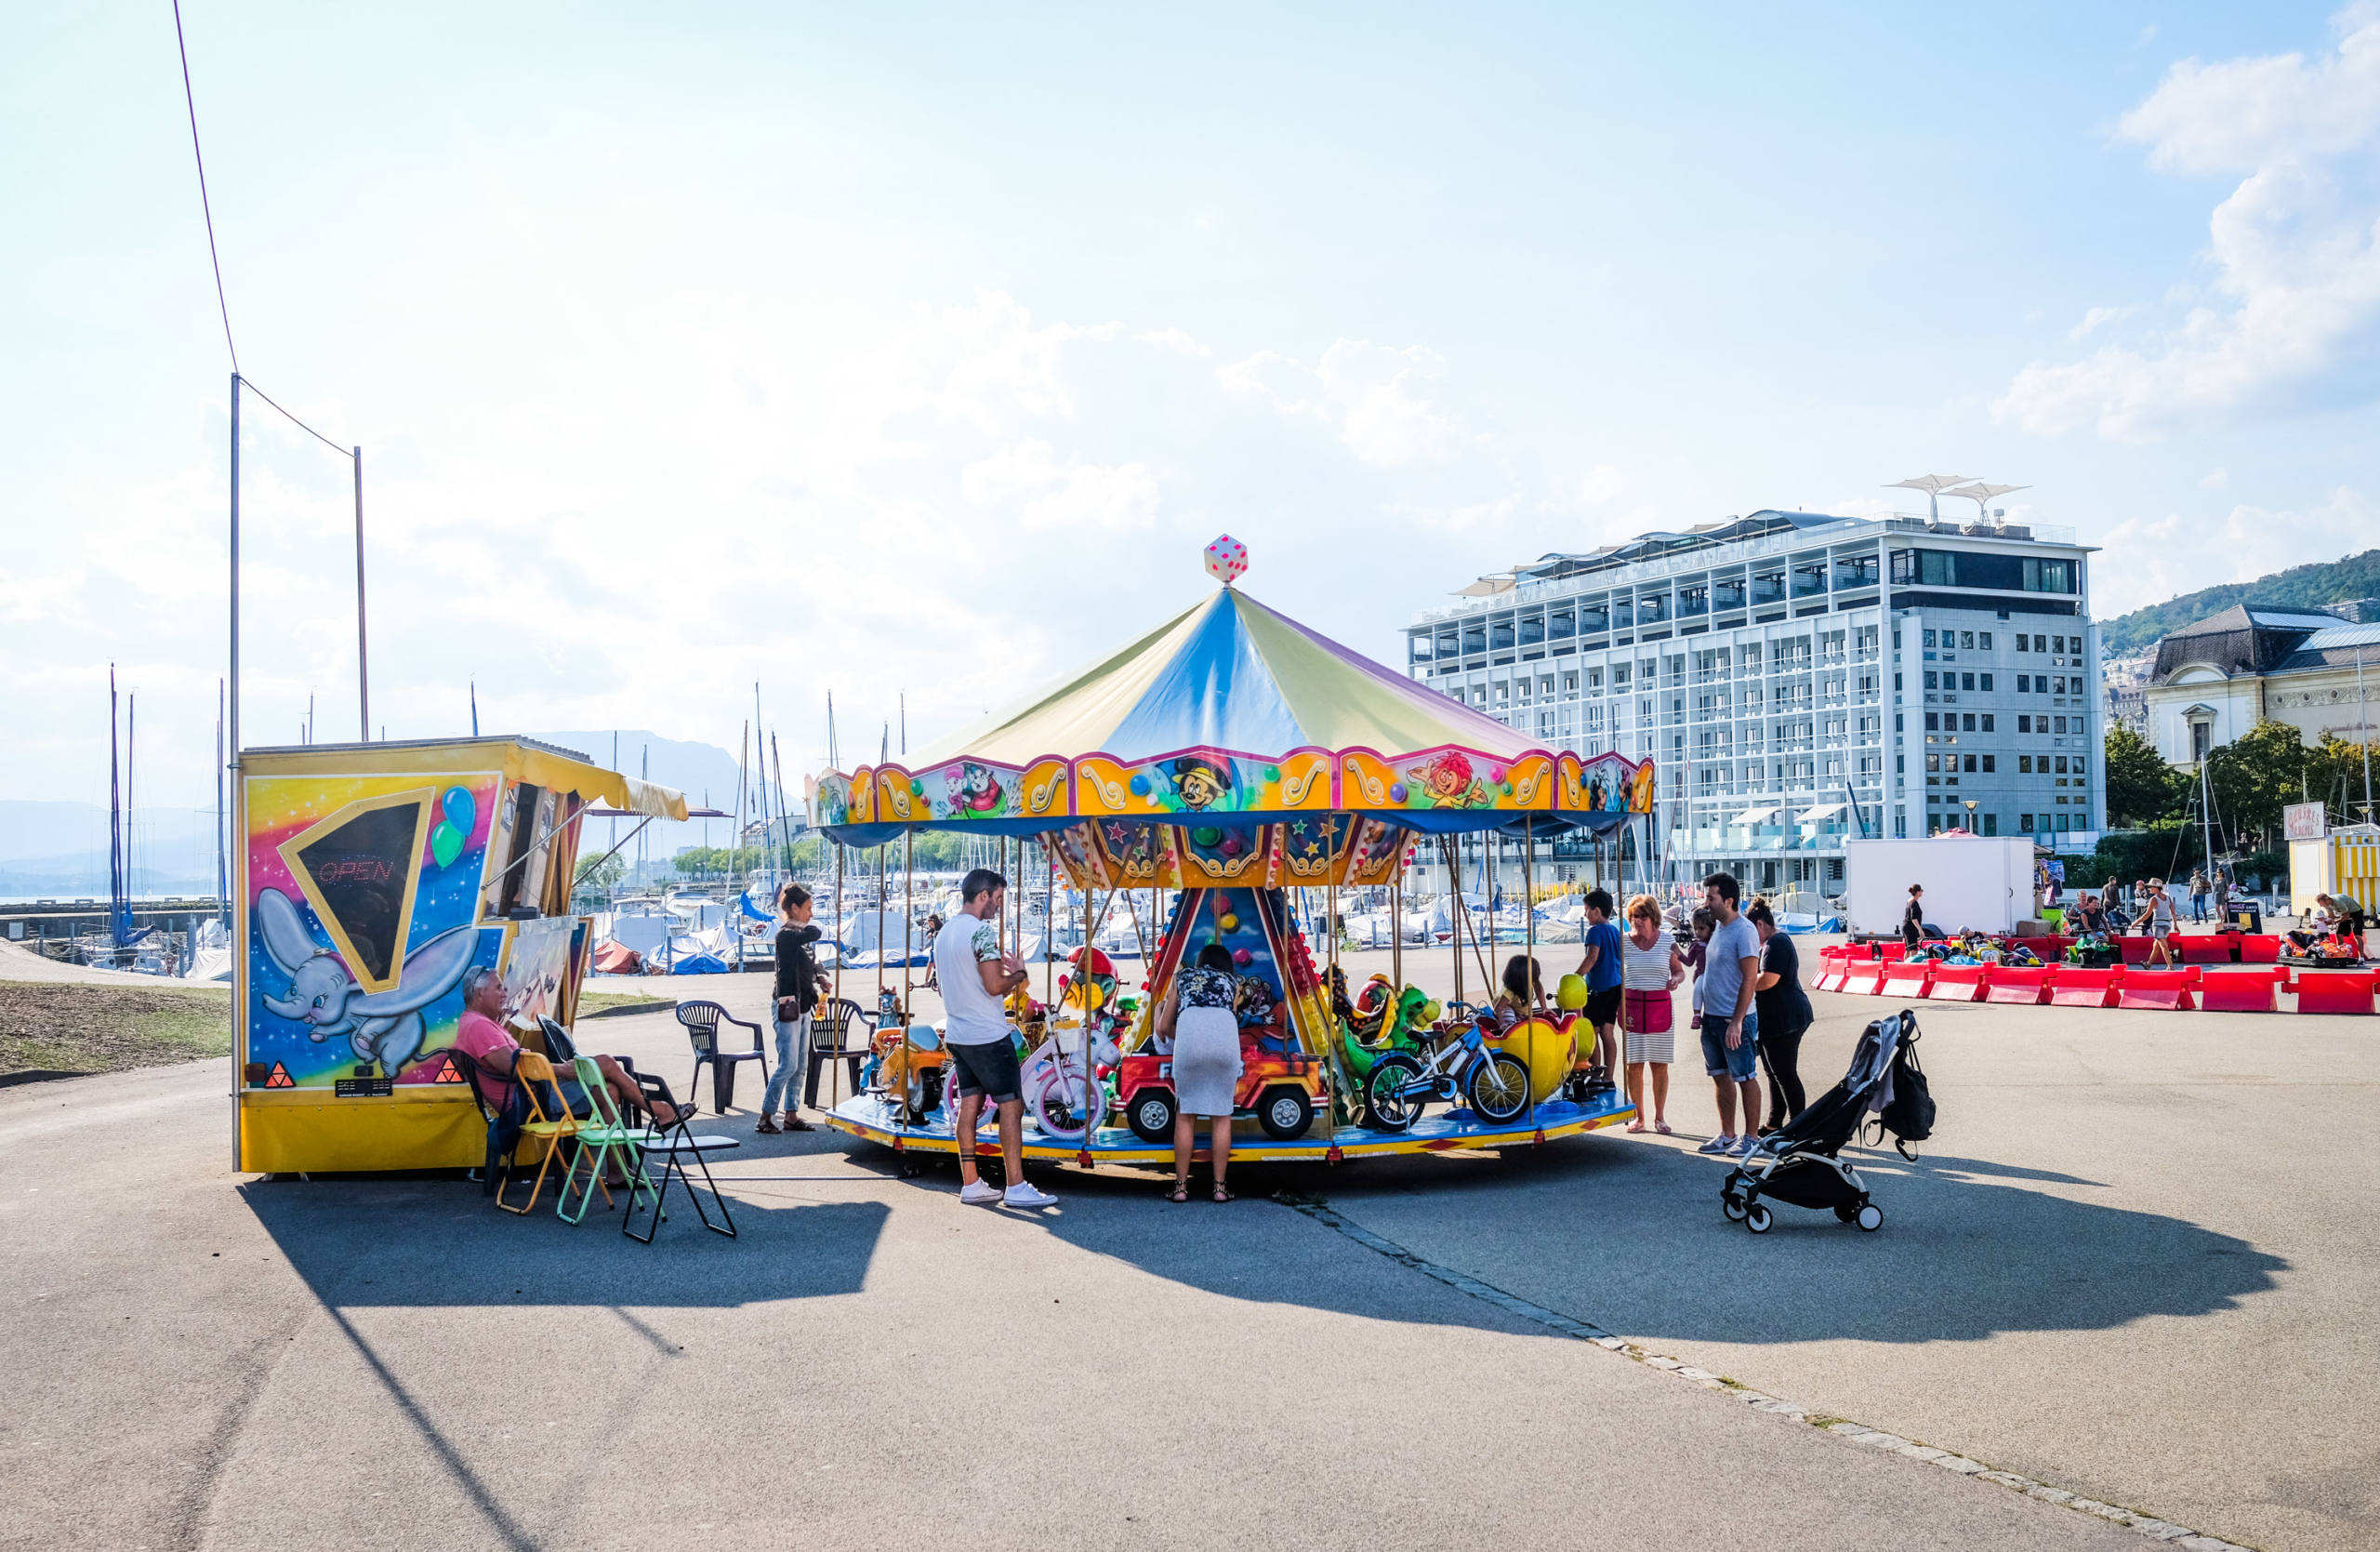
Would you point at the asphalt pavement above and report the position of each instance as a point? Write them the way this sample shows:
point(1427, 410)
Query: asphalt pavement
point(2134, 1264)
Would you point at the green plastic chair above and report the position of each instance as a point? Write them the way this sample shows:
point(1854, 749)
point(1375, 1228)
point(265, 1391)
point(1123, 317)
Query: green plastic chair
point(605, 1133)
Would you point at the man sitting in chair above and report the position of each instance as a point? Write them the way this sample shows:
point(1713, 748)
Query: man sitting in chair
point(484, 1039)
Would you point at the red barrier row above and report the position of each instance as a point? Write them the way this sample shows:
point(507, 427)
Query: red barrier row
point(2128, 986)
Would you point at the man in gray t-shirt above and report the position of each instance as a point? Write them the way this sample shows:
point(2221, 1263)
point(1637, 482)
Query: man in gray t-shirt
point(1730, 1027)
point(975, 975)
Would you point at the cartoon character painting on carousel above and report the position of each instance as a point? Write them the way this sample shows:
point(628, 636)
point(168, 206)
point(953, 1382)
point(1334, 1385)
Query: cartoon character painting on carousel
point(974, 792)
point(1447, 781)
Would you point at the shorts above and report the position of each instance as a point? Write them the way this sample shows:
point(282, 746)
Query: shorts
point(989, 1069)
point(1602, 1006)
point(1720, 1062)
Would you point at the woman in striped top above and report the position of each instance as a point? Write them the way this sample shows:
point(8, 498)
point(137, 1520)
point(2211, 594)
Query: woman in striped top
point(1650, 969)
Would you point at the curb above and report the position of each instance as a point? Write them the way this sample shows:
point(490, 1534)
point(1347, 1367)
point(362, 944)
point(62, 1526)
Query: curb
point(627, 1009)
point(1842, 1428)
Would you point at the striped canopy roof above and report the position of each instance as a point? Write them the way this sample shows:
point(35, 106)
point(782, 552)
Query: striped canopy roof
point(1232, 711)
point(1229, 675)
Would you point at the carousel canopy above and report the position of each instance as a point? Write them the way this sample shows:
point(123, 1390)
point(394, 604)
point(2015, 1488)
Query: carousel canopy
point(1229, 675)
point(1233, 714)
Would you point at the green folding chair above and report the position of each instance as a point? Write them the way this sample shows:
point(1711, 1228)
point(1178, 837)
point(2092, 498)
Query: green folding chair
point(602, 1136)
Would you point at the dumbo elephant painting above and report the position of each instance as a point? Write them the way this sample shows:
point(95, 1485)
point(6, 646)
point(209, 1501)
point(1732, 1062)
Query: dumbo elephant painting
point(382, 1026)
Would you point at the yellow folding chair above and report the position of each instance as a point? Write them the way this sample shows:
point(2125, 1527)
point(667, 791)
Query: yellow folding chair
point(532, 1069)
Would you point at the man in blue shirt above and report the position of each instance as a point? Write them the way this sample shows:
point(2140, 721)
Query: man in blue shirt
point(1600, 968)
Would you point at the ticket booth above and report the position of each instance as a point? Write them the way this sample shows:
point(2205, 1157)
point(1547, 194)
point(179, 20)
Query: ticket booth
point(372, 878)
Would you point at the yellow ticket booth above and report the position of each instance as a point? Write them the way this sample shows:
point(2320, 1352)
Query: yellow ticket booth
point(371, 877)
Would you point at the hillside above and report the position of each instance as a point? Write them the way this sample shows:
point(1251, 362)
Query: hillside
point(2301, 587)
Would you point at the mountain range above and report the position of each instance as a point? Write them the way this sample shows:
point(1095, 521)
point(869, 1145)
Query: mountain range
point(2301, 587)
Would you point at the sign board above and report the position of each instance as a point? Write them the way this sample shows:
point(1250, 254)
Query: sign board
point(2304, 821)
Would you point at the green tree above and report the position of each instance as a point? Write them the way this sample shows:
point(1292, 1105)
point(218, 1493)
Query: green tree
point(2254, 775)
point(2334, 776)
point(2141, 787)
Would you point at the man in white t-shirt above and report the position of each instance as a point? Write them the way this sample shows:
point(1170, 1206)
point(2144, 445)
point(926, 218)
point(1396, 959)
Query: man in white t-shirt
point(975, 977)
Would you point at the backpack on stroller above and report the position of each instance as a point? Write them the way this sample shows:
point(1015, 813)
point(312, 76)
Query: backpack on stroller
point(1798, 1162)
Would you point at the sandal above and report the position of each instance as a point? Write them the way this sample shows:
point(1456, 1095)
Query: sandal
point(1222, 1193)
point(1178, 1194)
point(768, 1127)
point(1664, 1128)
point(795, 1123)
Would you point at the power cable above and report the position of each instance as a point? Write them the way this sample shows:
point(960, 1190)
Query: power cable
point(309, 431)
point(192, 102)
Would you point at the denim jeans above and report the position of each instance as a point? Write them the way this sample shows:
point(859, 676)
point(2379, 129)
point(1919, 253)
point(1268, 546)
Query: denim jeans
point(793, 1059)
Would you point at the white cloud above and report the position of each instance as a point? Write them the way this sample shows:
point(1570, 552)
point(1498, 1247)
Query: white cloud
point(1048, 494)
point(2098, 317)
point(2215, 479)
point(2181, 551)
point(1602, 484)
point(1372, 393)
point(2290, 319)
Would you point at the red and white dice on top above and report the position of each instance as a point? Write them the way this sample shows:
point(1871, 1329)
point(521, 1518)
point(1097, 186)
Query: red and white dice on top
point(1226, 559)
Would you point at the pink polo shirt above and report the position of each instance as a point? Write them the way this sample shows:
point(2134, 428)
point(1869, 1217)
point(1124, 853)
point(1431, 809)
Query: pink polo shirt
point(480, 1037)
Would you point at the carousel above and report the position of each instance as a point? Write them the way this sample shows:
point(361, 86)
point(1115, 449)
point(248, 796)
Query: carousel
point(1232, 775)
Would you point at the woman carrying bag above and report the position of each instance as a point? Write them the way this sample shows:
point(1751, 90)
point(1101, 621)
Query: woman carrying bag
point(799, 985)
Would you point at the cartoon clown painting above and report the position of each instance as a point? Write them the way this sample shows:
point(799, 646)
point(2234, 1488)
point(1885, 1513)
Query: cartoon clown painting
point(1447, 781)
point(974, 792)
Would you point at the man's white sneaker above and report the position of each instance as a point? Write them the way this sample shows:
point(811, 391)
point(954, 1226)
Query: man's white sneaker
point(1724, 1143)
point(1026, 1194)
point(979, 1193)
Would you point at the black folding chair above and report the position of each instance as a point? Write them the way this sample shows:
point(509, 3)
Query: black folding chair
point(499, 1146)
point(701, 1021)
point(676, 1144)
point(840, 1030)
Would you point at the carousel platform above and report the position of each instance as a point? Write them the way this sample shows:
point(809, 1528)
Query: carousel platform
point(869, 1118)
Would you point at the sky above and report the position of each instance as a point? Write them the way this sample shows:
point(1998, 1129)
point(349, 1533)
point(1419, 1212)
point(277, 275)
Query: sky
point(913, 353)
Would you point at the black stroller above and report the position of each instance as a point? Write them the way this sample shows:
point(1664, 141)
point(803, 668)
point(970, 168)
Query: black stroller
point(1797, 1164)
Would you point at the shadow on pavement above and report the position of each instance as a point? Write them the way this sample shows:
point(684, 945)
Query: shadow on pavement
point(429, 1242)
point(1630, 1236)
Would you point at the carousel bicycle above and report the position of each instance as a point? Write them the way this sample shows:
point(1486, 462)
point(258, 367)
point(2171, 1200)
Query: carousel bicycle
point(1459, 1066)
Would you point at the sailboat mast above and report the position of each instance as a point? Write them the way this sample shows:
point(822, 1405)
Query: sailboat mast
point(115, 823)
point(222, 875)
point(761, 766)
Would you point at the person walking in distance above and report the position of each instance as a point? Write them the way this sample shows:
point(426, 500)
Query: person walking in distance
point(1783, 1009)
point(975, 977)
point(1730, 1024)
point(1912, 920)
point(2198, 887)
point(799, 985)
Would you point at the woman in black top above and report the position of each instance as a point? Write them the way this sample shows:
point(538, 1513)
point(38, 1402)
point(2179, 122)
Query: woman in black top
point(800, 983)
point(1784, 1011)
point(1912, 921)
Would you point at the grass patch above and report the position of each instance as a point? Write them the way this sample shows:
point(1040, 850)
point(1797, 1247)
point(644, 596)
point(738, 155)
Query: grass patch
point(71, 1028)
point(598, 1002)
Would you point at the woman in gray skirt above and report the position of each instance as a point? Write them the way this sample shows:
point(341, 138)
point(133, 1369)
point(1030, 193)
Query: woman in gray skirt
point(1196, 1016)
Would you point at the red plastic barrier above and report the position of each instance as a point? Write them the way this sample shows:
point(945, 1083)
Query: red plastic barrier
point(2156, 989)
point(1906, 979)
point(2008, 983)
point(1862, 978)
point(1832, 969)
point(2259, 947)
point(2335, 990)
point(2241, 991)
point(2203, 948)
point(2136, 949)
point(2073, 986)
point(1958, 983)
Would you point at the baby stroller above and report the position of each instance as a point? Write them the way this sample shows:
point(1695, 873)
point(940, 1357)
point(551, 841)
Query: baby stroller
point(1797, 1164)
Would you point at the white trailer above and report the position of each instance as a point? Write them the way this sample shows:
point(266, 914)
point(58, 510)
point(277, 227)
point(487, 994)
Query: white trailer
point(1971, 881)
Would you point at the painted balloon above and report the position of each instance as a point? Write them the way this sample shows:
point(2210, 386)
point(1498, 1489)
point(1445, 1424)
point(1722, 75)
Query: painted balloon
point(917, 788)
point(445, 844)
point(1397, 792)
point(461, 810)
point(1231, 846)
point(1140, 786)
point(1272, 773)
point(1242, 958)
point(1229, 923)
point(1206, 835)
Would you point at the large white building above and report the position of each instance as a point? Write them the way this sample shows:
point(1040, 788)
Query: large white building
point(2318, 671)
point(1799, 679)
